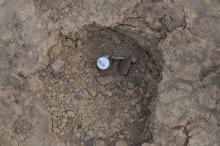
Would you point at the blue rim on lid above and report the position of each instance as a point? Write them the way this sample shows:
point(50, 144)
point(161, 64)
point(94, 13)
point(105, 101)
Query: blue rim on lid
point(103, 63)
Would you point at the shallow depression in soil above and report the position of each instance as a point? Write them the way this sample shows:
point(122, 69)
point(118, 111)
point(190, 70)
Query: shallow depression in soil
point(86, 103)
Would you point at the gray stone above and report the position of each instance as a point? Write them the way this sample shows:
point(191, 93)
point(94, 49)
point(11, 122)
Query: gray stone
point(91, 142)
point(15, 80)
point(124, 66)
point(105, 80)
point(57, 67)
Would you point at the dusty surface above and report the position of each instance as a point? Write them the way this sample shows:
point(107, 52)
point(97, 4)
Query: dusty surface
point(52, 94)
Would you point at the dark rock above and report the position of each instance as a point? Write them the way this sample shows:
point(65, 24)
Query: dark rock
point(91, 142)
point(124, 66)
point(136, 82)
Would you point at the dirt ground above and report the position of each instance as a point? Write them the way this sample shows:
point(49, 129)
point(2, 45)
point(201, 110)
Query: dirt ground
point(162, 88)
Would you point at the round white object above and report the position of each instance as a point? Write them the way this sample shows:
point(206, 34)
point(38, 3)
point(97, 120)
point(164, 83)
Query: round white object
point(103, 63)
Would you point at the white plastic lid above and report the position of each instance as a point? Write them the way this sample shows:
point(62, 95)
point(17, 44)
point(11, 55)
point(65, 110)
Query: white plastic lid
point(103, 63)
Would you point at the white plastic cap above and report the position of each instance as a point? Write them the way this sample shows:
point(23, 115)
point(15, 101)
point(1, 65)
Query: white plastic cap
point(103, 63)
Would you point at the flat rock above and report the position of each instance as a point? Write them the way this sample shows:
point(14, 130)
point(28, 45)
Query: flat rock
point(15, 80)
point(104, 80)
point(124, 66)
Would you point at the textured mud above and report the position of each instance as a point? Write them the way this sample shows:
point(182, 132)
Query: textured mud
point(52, 94)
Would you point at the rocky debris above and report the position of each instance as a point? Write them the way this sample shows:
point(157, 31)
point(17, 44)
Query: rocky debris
point(100, 143)
point(91, 142)
point(104, 80)
point(57, 67)
point(121, 143)
point(124, 66)
point(15, 80)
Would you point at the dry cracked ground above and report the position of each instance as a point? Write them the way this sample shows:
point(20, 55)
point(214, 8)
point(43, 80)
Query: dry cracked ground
point(162, 89)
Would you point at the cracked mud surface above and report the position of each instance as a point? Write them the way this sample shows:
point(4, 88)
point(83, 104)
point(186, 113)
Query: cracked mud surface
point(52, 94)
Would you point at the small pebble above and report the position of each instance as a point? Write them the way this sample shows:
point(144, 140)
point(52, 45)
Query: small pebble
point(121, 143)
point(93, 92)
point(57, 67)
point(108, 93)
point(136, 82)
point(70, 114)
point(90, 142)
point(62, 133)
point(133, 59)
point(104, 80)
